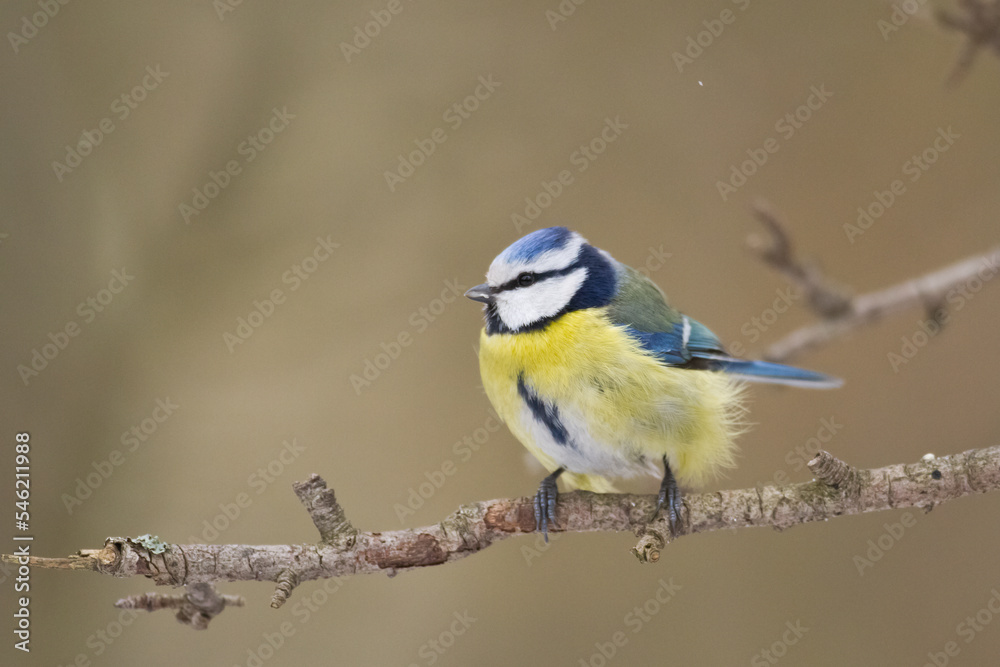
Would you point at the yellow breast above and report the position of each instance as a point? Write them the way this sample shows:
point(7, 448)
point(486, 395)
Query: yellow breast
point(619, 401)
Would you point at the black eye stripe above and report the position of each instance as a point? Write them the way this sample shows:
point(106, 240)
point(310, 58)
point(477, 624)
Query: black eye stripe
point(539, 277)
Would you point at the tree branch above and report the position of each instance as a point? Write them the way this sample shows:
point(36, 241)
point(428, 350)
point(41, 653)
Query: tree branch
point(841, 314)
point(342, 550)
point(838, 490)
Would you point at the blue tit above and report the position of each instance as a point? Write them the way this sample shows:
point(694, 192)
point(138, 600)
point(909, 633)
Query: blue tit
point(599, 377)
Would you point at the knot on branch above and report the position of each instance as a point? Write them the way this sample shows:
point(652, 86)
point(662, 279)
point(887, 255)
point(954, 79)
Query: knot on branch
point(287, 581)
point(326, 513)
point(195, 608)
point(651, 541)
point(835, 473)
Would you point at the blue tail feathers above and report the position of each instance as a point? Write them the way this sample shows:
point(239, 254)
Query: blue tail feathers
point(766, 371)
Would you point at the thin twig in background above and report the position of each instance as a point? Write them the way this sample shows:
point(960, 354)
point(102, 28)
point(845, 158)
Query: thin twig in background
point(841, 314)
point(979, 21)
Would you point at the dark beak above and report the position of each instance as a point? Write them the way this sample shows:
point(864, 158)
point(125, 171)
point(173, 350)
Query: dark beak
point(480, 293)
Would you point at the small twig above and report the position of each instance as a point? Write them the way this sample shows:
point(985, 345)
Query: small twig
point(326, 513)
point(979, 21)
point(827, 299)
point(287, 581)
point(195, 608)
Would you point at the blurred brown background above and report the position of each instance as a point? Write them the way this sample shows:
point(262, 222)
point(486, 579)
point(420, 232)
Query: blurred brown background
point(279, 73)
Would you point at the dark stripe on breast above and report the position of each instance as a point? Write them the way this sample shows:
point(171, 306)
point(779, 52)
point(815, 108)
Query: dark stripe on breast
point(544, 412)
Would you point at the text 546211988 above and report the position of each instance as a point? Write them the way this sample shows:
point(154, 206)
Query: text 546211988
point(22, 551)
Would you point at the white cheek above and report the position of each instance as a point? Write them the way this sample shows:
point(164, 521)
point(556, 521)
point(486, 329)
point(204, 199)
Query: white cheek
point(521, 307)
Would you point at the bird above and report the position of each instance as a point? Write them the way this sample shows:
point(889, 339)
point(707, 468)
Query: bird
point(600, 378)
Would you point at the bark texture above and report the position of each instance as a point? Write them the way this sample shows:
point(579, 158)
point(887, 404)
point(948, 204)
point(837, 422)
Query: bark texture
point(838, 490)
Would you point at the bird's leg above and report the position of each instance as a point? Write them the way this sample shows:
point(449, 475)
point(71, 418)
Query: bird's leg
point(545, 503)
point(670, 497)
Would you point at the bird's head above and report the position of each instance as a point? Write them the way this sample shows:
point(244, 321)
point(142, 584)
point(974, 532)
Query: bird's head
point(542, 276)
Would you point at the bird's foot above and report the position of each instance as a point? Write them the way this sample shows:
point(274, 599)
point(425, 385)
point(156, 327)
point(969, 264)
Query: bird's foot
point(545, 503)
point(670, 498)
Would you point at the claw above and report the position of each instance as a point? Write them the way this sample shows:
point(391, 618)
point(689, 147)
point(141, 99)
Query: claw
point(545, 503)
point(670, 498)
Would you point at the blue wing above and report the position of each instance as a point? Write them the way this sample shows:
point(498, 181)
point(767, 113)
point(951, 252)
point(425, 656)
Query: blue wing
point(679, 341)
point(690, 344)
point(682, 344)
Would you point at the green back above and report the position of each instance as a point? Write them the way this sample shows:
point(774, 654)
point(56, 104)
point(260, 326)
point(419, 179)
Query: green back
point(641, 304)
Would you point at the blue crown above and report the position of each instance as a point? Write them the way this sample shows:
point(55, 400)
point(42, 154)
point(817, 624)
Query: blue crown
point(529, 247)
